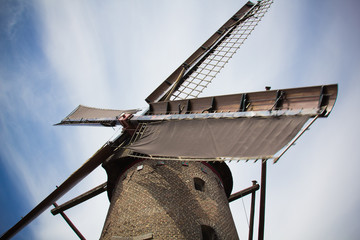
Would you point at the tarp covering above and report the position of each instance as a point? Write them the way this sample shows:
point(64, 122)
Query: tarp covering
point(241, 138)
point(93, 115)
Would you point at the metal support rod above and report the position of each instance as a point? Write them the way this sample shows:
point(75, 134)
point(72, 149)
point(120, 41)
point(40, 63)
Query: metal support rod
point(262, 200)
point(78, 233)
point(295, 139)
point(252, 212)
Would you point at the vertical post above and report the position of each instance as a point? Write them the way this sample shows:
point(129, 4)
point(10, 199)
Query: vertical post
point(252, 213)
point(262, 200)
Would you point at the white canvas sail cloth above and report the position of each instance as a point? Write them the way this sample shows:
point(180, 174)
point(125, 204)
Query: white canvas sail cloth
point(218, 139)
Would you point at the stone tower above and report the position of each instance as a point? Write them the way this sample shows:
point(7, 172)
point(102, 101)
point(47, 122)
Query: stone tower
point(168, 200)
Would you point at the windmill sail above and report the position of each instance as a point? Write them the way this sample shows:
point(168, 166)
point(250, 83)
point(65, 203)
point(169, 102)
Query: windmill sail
point(193, 76)
point(218, 139)
point(232, 127)
point(83, 115)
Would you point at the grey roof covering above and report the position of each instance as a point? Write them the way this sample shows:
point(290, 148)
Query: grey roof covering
point(219, 139)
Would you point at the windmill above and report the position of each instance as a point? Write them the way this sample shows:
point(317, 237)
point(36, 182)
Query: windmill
point(175, 105)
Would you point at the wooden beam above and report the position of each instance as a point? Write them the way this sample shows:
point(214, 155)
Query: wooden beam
point(99, 157)
point(68, 221)
point(79, 199)
point(244, 192)
point(262, 200)
point(252, 214)
point(196, 58)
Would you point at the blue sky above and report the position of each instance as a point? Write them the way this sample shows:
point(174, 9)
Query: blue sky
point(112, 54)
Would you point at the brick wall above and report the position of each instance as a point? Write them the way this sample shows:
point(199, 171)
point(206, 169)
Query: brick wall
point(159, 199)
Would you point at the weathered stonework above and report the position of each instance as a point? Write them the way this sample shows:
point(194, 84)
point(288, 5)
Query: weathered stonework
point(159, 200)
